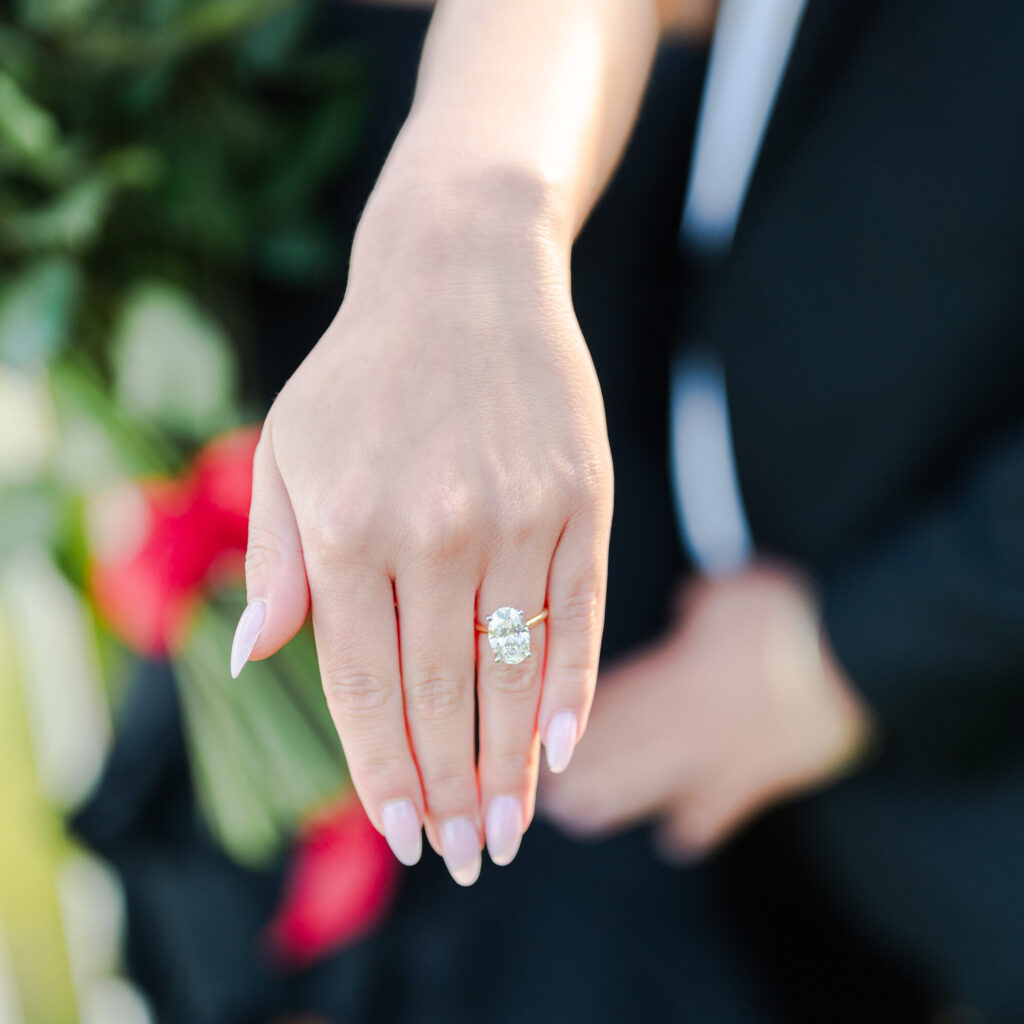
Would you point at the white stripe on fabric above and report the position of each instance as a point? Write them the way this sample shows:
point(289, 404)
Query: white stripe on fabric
point(750, 49)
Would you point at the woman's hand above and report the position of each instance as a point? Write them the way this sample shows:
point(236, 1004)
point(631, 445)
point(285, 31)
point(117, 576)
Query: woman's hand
point(739, 706)
point(443, 448)
point(441, 453)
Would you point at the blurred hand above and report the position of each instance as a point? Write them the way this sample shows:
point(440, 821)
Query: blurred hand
point(441, 452)
point(738, 706)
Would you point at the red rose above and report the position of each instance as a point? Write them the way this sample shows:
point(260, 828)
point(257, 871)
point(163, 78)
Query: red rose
point(341, 882)
point(195, 529)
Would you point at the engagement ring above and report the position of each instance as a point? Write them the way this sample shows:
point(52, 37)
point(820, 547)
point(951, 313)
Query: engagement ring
point(509, 634)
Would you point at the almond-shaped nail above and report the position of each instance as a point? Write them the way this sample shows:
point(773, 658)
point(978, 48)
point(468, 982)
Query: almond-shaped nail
point(247, 632)
point(504, 829)
point(402, 830)
point(560, 740)
point(460, 846)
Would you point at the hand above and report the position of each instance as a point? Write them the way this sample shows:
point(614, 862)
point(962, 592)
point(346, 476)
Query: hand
point(739, 706)
point(441, 452)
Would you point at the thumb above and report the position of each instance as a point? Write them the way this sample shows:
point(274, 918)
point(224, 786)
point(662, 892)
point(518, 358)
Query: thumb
point(275, 574)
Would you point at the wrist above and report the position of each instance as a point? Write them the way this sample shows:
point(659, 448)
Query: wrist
point(443, 210)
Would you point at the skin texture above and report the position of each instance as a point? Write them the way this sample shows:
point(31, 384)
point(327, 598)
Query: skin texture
point(486, 499)
point(443, 448)
point(738, 706)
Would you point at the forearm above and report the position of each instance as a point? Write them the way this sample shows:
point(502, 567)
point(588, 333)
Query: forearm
point(531, 98)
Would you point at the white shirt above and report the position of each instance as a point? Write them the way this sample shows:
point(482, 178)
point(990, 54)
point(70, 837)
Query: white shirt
point(751, 46)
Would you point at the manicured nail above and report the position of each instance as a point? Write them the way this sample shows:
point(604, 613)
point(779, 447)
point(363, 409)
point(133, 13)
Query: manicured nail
point(460, 845)
point(504, 828)
point(247, 632)
point(560, 740)
point(402, 830)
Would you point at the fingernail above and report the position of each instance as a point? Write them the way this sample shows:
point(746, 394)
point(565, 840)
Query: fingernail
point(460, 846)
point(402, 830)
point(247, 632)
point(504, 828)
point(560, 740)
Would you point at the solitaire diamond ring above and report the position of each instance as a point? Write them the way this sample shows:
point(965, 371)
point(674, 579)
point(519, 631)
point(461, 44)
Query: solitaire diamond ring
point(508, 633)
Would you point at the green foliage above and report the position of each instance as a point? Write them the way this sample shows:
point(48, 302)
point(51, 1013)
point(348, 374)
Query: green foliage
point(35, 310)
point(172, 365)
point(156, 158)
point(178, 141)
point(262, 748)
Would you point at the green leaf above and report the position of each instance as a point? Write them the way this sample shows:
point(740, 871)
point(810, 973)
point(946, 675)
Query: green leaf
point(217, 19)
point(130, 166)
point(28, 429)
point(263, 749)
point(98, 443)
point(36, 309)
point(24, 125)
point(173, 365)
point(267, 45)
point(71, 221)
point(232, 802)
point(29, 515)
point(47, 15)
point(326, 142)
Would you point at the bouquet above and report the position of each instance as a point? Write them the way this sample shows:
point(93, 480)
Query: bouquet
point(155, 159)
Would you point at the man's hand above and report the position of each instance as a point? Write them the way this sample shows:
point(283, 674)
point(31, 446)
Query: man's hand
point(739, 706)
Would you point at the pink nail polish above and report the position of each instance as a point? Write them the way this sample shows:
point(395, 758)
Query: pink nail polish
point(504, 829)
point(460, 845)
point(402, 830)
point(560, 740)
point(247, 632)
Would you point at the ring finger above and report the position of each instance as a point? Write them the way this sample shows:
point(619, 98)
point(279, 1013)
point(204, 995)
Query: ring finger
point(508, 696)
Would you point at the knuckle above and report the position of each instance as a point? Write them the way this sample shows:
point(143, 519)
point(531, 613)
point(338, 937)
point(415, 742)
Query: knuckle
point(358, 693)
point(511, 680)
point(434, 697)
point(509, 770)
point(697, 832)
point(378, 772)
point(443, 524)
point(521, 524)
point(580, 609)
point(341, 526)
point(448, 791)
point(261, 553)
point(586, 486)
point(571, 680)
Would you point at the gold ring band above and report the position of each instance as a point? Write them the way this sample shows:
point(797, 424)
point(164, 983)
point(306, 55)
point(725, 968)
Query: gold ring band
point(538, 618)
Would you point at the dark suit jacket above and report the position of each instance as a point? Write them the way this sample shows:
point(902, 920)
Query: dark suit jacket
point(870, 318)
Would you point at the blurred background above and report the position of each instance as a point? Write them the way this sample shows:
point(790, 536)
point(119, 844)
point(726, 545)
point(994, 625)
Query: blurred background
point(178, 182)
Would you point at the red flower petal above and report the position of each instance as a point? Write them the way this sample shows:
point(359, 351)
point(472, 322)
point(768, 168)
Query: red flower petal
point(197, 526)
point(342, 880)
point(223, 471)
point(147, 593)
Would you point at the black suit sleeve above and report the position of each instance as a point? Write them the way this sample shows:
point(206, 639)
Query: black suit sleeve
point(929, 624)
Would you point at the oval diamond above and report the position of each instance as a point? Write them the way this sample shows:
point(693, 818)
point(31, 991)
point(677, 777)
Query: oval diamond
point(509, 636)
